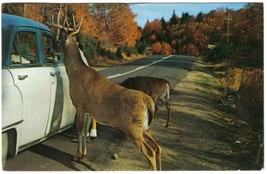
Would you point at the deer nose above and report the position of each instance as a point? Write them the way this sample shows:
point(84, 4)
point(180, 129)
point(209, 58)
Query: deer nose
point(220, 102)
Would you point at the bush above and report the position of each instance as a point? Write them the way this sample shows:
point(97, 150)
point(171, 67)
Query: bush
point(119, 53)
point(107, 53)
point(140, 47)
point(111, 55)
point(156, 48)
point(89, 50)
point(88, 46)
point(129, 51)
point(166, 49)
point(221, 52)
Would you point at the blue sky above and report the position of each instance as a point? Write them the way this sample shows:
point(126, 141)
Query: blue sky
point(153, 11)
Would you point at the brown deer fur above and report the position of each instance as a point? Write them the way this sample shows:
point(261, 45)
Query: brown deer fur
point(248, 103)
point(110, 104)
point(157, 88)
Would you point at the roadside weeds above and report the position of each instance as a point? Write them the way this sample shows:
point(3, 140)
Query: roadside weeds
point(205, 136)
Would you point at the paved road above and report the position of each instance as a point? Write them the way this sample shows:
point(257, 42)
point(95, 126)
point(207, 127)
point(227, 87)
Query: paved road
point(55, 154)
point(172, 68)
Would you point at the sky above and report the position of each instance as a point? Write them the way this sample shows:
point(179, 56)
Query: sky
point(151, 11)
point(156, 9)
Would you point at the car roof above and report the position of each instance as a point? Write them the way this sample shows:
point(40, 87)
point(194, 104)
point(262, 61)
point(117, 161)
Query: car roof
point(11, 21)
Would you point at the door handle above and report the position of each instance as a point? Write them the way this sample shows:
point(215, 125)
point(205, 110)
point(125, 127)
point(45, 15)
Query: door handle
point(22, 77)
point(52, 74)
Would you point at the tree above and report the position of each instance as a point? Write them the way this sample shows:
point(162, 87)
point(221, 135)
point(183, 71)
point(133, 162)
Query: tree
point(199, 17)
point(166, 48)
point(163, 24)
point(35, 12)
point(13, 8)
point(174, 19)
point(31, 11)
point(83, 11)
point(186, 18)
point(152, 31)
point(116, 24)
point(247, 35)
point(200, 37)
point(156, 48)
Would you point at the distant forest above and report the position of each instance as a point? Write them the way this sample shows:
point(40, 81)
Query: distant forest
point(109, 30)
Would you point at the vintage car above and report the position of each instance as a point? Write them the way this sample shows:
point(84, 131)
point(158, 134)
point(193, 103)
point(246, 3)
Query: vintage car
point(35, 88)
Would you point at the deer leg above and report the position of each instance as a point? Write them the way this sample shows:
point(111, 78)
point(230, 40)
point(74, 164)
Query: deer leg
point(93, 132)
point(156, 105)
point(143, 145)
point(80, 118)
point(149, 153)
point(258, 154)
point(260, 139)
point(168, 107)
point(155, 146)
point(87, 122)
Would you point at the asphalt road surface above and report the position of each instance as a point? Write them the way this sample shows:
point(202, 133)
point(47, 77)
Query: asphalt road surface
point(55, 154)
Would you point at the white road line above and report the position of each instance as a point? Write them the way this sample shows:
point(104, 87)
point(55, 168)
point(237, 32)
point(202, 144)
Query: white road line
point(138, 68)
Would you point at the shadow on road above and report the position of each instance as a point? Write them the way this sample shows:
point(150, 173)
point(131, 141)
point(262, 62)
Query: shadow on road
point(57, 155)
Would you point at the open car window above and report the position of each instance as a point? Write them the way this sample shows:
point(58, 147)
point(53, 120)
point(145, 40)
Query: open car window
point(24, 49)
point(51, 56)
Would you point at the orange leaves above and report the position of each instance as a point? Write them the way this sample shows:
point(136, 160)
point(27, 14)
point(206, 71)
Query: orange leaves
point(116, 24)
point(164, 48)
point(151, 30)
point(113, 23)
point(82, 11)
point(32, 11)
point(156, 48)
point(123, 27)
point(187, 36)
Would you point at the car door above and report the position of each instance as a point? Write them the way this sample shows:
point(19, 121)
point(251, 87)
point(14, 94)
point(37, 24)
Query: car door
point(56, 91)
point(34, 82)
point(61, 109)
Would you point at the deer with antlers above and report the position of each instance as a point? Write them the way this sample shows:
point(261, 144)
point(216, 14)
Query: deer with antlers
point(110, 104)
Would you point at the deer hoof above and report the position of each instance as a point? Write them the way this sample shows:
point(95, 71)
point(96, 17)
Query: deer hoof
point(167, 125)
point(77, 158)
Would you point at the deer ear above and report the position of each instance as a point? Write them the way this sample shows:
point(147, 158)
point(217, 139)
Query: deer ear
point(230, 91)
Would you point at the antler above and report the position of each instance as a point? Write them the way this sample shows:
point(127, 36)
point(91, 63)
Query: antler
point(66, 26)
point(76, 29)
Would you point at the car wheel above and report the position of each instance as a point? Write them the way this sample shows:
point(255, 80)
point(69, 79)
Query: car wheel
point(4, 148)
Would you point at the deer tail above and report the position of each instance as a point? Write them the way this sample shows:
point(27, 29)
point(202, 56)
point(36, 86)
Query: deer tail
point(151, 106)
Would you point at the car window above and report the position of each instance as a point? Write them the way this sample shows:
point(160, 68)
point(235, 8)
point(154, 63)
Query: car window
point(51, 56)
point(24, 50)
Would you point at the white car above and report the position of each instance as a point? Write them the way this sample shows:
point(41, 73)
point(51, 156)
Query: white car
point(35, 88)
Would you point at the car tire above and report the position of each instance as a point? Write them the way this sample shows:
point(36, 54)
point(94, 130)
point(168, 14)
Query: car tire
point(4, 148)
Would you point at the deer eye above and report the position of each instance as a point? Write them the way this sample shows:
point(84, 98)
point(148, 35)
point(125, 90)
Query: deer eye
point(231, 97)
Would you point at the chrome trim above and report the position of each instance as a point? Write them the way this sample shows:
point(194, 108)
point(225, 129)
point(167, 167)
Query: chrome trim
point(11, 125)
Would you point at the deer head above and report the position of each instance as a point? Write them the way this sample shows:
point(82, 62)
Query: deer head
point(229, 100)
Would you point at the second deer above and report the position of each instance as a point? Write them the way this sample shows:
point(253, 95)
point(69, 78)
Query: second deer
point(249, 107)
point(157, 88)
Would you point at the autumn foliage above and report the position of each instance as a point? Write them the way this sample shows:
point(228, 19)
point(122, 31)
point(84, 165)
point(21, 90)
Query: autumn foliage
point(238, 39)
point(108, 26)
point(104, 26)
point(166, 49)
point(156, 48)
